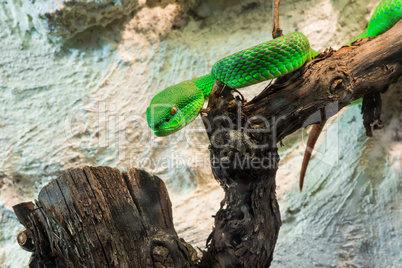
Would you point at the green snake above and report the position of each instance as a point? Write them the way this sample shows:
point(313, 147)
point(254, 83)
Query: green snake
point(178, 105)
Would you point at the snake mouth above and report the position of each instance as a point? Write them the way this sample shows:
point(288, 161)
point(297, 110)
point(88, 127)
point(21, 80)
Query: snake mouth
point(187, 102)
point(166, 131)
point(183, 117)
point(161, 131)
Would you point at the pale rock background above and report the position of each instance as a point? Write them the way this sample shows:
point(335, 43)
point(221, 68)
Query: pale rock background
point(82, 101)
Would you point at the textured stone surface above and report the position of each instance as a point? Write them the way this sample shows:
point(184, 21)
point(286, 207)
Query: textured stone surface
point(83, 103)
point(74, 16)
point(62, 20)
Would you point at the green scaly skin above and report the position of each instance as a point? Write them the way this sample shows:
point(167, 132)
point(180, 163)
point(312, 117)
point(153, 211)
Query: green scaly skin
point(265, 61)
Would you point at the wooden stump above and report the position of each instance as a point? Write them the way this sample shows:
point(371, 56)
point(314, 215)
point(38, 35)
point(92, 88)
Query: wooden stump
point(99, 217)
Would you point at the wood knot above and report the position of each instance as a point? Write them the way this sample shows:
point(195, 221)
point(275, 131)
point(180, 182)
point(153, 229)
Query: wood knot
point(377, 124)
point(336, 85)
point(162, 257)
point(25, 241)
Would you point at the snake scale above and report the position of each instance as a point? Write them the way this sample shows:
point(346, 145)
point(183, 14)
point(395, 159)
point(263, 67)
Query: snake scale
point(178, 105)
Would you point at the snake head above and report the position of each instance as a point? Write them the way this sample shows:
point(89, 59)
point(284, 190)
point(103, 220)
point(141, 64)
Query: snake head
point(174, 108)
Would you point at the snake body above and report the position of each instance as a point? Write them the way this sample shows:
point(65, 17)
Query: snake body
point(178, 105)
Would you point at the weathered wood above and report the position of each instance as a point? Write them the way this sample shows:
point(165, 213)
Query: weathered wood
point(328, 83)
point(99, 217)
point(247, 224)
point(276, 29)
point(241, 133)
point(371, 111)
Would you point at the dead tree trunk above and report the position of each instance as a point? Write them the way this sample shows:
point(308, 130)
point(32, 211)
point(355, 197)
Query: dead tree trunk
point(244, 135)
point(98, 217)
point(244, 161)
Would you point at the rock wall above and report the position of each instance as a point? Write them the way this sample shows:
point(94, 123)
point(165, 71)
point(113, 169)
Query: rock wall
point(82, 102)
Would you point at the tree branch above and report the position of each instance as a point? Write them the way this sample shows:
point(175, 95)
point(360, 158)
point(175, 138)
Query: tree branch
point(244, 135)
point(330, 82)
point(276, 29)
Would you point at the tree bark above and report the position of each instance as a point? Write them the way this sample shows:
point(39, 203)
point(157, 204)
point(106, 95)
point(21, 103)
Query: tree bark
point(99, 217)
point(244, 135)
point(245, 164)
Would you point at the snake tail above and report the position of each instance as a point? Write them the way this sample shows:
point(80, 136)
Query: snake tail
point(386, 14)
point(312, 139)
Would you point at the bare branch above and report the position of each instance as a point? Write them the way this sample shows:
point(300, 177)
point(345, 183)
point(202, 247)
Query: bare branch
point(244, 137)
point(276, 30)
point(330, 82)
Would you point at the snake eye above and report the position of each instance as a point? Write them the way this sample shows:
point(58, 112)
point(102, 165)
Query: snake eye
point(173, 110)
